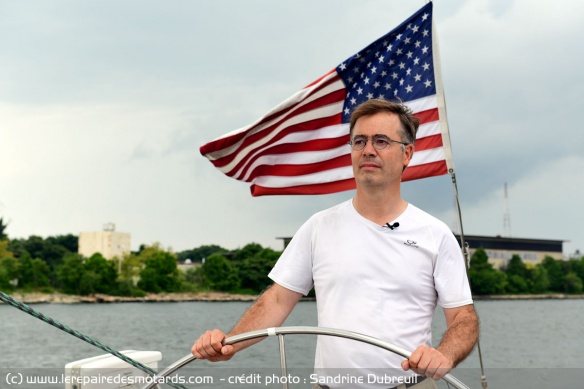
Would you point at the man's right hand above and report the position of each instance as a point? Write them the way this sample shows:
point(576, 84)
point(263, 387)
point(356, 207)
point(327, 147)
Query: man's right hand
point(210, 346)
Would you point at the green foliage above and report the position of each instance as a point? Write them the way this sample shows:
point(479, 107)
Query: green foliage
point(250, 250)
point(253, 271)
point(52, 250)
point(219, 273)
point(99, 276)
point(573, 283)
point(555, 273)
point(69, 274)
point(160, 272)
point(3, 226)
point(197, 254)
point(9, 269)
point(33, 272)
point(483, 278)
point(518, 276)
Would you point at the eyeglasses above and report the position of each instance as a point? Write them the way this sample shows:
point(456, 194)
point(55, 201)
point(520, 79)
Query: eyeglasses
point(379, 142)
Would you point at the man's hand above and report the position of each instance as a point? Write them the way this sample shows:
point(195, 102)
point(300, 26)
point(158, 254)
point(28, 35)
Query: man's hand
point(210, 346)
point(428, 362)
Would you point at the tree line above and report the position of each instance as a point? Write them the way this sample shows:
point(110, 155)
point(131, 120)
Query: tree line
point(53, 265)
point(548, 276)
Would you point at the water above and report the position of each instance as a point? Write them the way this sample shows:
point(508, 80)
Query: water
point(519, 339)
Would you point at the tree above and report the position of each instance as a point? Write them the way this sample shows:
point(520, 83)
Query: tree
point(199, 253)
point(9, 272)
point(99, 275)
point(483, 278)
point(4, 251)
point(160, 273)
point(3, 226)
point(573, 283)
point(219, 273)
point(247, 251)
point(539, 280)
point(70, 273)
point(555, 274)
point(253, 271)
point(517, 276)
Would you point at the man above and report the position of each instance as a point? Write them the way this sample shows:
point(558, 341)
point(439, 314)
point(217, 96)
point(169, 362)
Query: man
point(379, 267)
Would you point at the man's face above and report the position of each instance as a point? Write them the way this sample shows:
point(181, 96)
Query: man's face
point(373, 167)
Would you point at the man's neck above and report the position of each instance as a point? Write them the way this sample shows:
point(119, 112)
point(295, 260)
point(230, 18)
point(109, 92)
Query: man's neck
point(379, 206)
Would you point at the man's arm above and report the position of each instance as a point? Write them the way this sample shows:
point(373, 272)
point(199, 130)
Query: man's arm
point(270, 310)
point(462, 333)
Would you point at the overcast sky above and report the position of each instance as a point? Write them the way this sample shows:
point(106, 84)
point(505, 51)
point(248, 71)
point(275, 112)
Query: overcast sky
point(104, 105)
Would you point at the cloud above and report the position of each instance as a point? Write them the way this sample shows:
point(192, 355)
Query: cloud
point(104, 108)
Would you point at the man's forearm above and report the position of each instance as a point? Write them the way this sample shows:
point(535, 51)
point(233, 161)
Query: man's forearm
point(270, 310)
point(461, 335)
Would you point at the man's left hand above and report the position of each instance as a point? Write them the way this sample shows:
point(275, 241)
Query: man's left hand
point(429, 362)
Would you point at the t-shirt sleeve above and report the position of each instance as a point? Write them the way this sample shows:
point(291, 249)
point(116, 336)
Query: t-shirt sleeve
point(450, 277)
point(294, 267)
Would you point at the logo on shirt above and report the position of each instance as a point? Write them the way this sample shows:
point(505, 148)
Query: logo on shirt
point(411, 243)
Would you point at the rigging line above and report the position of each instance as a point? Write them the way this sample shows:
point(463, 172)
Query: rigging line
point(466, 255)
point(25, 308)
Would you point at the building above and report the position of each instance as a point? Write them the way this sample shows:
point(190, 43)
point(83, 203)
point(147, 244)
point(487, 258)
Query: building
point(109, 243)
point(501, 249)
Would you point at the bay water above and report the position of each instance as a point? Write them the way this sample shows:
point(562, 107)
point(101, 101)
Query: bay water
point(523, 342)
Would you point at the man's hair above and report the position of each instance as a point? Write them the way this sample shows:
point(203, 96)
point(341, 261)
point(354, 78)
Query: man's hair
point(409, 123)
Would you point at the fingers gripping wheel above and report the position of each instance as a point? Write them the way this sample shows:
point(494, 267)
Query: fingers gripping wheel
point(281, 331)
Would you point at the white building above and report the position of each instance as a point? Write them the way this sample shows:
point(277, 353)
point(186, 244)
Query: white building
point(108, 242)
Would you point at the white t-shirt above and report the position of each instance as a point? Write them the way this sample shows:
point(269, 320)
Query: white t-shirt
point(375, 281)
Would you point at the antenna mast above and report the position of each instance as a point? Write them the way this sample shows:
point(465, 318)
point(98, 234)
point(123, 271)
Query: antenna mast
point(506, 216)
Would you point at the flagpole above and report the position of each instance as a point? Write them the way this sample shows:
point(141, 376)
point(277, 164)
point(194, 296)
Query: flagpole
point(450, 165)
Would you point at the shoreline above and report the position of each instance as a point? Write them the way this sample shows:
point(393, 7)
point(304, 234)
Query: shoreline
point(59, 298)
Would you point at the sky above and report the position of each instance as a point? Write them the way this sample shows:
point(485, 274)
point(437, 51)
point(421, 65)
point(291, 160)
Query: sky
point(104, 105)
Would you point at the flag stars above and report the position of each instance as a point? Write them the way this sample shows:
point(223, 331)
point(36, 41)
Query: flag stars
point(402, 65)
point(366, 81)
point(417, 44)
point(376, 84)
point(407, 40)
point(416, 61)
point(415, 29)
point(342, 66)
point(417, 78)
point(383, 73)
point(426, 66)
point(409, 54)
point(369, 95)
point(425, 33)
point(428, 83)
point(425, 49)
point(394, 75)
point(360, 91)
point(387, 86)
point(409, 88)
point(353, 101)
point(374, 70)
point(401, 82)
point(408, 71)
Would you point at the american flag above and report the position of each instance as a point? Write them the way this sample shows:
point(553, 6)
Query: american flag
point(300, 146)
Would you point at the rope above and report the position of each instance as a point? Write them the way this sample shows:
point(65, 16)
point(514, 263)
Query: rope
point(25, 308)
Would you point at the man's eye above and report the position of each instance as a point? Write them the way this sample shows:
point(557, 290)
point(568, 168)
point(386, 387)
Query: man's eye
point(381, 142)
point(359, 142)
